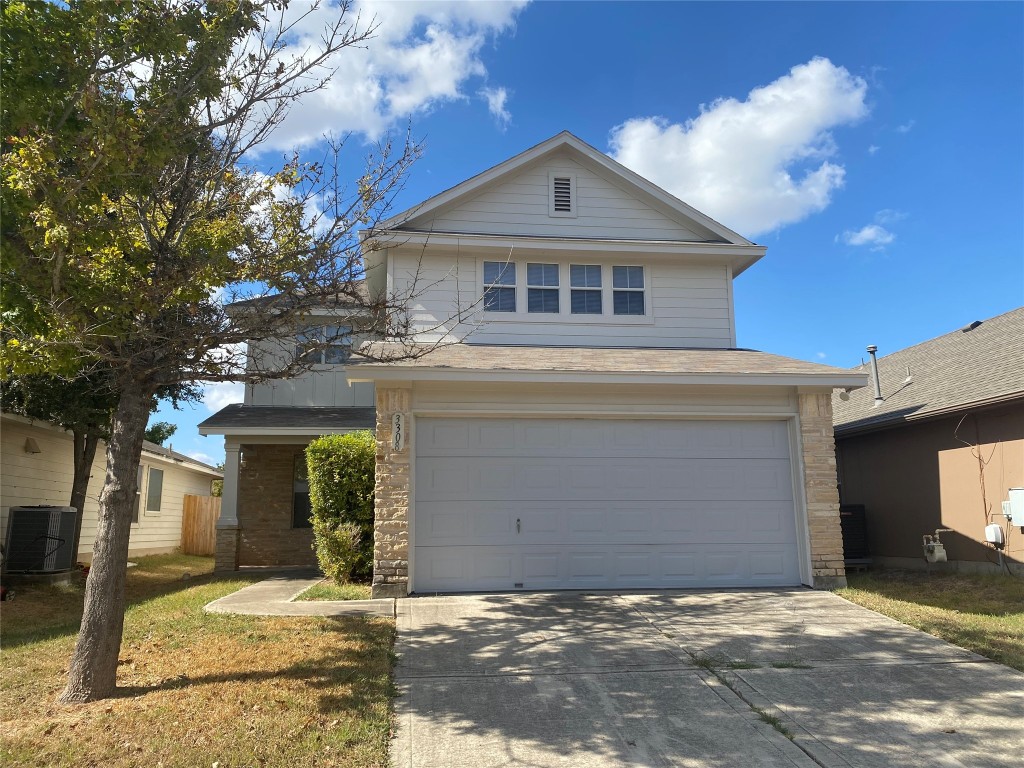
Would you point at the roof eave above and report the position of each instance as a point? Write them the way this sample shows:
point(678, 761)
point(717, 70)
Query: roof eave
point(858, 427)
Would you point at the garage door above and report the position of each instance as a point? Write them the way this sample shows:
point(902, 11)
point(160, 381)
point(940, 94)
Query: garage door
point(506, 504)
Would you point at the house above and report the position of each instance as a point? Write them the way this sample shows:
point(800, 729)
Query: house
point(585, 419)
point(38, 467)
point(941, 448)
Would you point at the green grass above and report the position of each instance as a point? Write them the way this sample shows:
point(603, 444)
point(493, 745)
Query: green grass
point(982, 613)
point(328, 590)
point(195, 688)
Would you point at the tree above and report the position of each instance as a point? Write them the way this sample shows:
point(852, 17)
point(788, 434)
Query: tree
point(160, 431)
point(133, 212)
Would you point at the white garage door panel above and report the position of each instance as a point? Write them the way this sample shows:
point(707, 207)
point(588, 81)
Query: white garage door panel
point(588, 503)
point(454, 569)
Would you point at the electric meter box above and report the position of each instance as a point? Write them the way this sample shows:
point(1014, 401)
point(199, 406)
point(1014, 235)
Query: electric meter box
point(1016, 505)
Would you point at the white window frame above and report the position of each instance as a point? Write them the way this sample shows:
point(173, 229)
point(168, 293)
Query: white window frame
point(556, 288)
point(514, 285)
point(642, 290)
point(149, 482)
point(598, 289)
point(573, 197)
point(345, 332)
point(565, 316)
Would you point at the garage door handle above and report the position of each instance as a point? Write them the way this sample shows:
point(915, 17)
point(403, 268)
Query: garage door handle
point(519, 525)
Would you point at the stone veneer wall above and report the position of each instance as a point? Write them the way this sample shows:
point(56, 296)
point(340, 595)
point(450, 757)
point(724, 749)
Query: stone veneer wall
point(819, 459)
point(265, 487)
point(391, 498)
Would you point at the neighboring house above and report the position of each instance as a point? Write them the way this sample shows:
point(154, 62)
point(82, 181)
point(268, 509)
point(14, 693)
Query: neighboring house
point(587, 421)
point(38, 467)
point(942, 447)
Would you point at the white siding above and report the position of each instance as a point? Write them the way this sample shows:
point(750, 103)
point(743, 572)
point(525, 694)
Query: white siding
point(688, 304)
point(45, 478)
point(520, 206)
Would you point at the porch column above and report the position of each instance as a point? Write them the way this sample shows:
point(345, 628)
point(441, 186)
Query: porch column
point(228, 530)
point(828, 569)
point(391, 494)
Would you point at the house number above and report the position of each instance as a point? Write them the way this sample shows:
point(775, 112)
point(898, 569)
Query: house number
point(398, 432)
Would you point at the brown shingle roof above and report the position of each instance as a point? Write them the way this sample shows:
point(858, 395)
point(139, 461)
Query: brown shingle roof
point(483, 357)
point(969, 366)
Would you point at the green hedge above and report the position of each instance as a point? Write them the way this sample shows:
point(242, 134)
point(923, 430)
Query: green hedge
point(341, 478)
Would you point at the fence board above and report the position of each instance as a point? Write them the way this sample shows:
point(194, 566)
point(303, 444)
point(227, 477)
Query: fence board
point(199, 524)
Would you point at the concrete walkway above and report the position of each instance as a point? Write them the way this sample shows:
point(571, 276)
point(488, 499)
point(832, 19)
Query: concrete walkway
point(275, 597)
point(691, 678)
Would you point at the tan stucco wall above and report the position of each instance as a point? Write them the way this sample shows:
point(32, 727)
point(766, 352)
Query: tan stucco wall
point(919, 477)
point(45, 478)
point(265, 488)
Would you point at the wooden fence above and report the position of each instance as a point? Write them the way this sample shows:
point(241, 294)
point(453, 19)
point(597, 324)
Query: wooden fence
point(199, 524)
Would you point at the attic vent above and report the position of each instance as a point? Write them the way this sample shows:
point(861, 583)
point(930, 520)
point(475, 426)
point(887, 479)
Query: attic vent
point(971, 327)
point(562, 194)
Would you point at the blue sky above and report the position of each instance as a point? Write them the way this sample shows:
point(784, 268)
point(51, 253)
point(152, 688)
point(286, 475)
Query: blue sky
point(875, 148)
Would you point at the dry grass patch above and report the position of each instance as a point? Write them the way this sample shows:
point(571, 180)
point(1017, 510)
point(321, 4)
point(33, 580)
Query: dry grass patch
point(198, 688)
point(328, 590)
point(982, 613)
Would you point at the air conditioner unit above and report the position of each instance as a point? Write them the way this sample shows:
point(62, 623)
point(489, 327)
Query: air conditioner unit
point(40, 539)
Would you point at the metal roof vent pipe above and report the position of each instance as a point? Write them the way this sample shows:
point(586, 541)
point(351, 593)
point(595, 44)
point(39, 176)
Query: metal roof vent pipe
point(874, 374)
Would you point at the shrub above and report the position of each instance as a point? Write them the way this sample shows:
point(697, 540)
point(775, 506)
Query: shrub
point(341, 478)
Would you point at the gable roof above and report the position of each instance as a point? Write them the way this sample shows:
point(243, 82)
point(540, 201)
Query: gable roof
point(980, 364)
point(589, 156)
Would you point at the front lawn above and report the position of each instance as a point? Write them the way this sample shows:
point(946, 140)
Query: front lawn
point(982, 613)
point(195, 688)
point(328, 590)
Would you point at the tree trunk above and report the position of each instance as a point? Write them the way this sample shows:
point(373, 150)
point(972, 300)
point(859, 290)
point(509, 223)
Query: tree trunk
point(85, 454)
point(93, 671)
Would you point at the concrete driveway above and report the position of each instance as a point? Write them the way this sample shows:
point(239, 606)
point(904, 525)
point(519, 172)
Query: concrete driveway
point(691, 679)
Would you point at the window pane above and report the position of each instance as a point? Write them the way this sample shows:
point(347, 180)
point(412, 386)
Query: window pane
point(542, 300)
point(499, 273)
point(339, 343)
point(629, 302)
point(155, 490)
point(302, 509)
point(138, 495)
point(628, 277)
point(585, 275)
point(303, 341)
point(500, 300)
point(542, 274)
point(586, 302)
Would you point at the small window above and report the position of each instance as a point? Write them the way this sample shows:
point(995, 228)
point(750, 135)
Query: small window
point(155, 489)
point(585, 289)
point(325, 344)
point(138, 495)
point(561, 194)
point(628, 293)
point(499, 286)
point(542, 288)
point(302, 508)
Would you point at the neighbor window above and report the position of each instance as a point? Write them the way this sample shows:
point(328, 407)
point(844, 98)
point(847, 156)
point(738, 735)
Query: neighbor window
point(499, 286)
point(327, 344)
point(542, 288)
point(138, 495)
point(302, 509)
point(155, 489)
point(628, 293)
point(585, 289)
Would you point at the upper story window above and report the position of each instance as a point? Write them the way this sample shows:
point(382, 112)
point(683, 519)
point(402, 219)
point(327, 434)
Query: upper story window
point(585, 289)
point(562, 194)
point(499, 286)
point(330, 344)
point(542, 288)
point(628, 290)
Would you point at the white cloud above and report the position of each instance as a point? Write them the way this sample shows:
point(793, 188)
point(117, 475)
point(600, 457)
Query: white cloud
point(755, 165)
point(821, 355)
point(889, 216)
point(217, 395)
point(873, 148)
point(872, 235)
point(496, 99)
point(422, 54)
point(203, 457)
point(907, 127)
